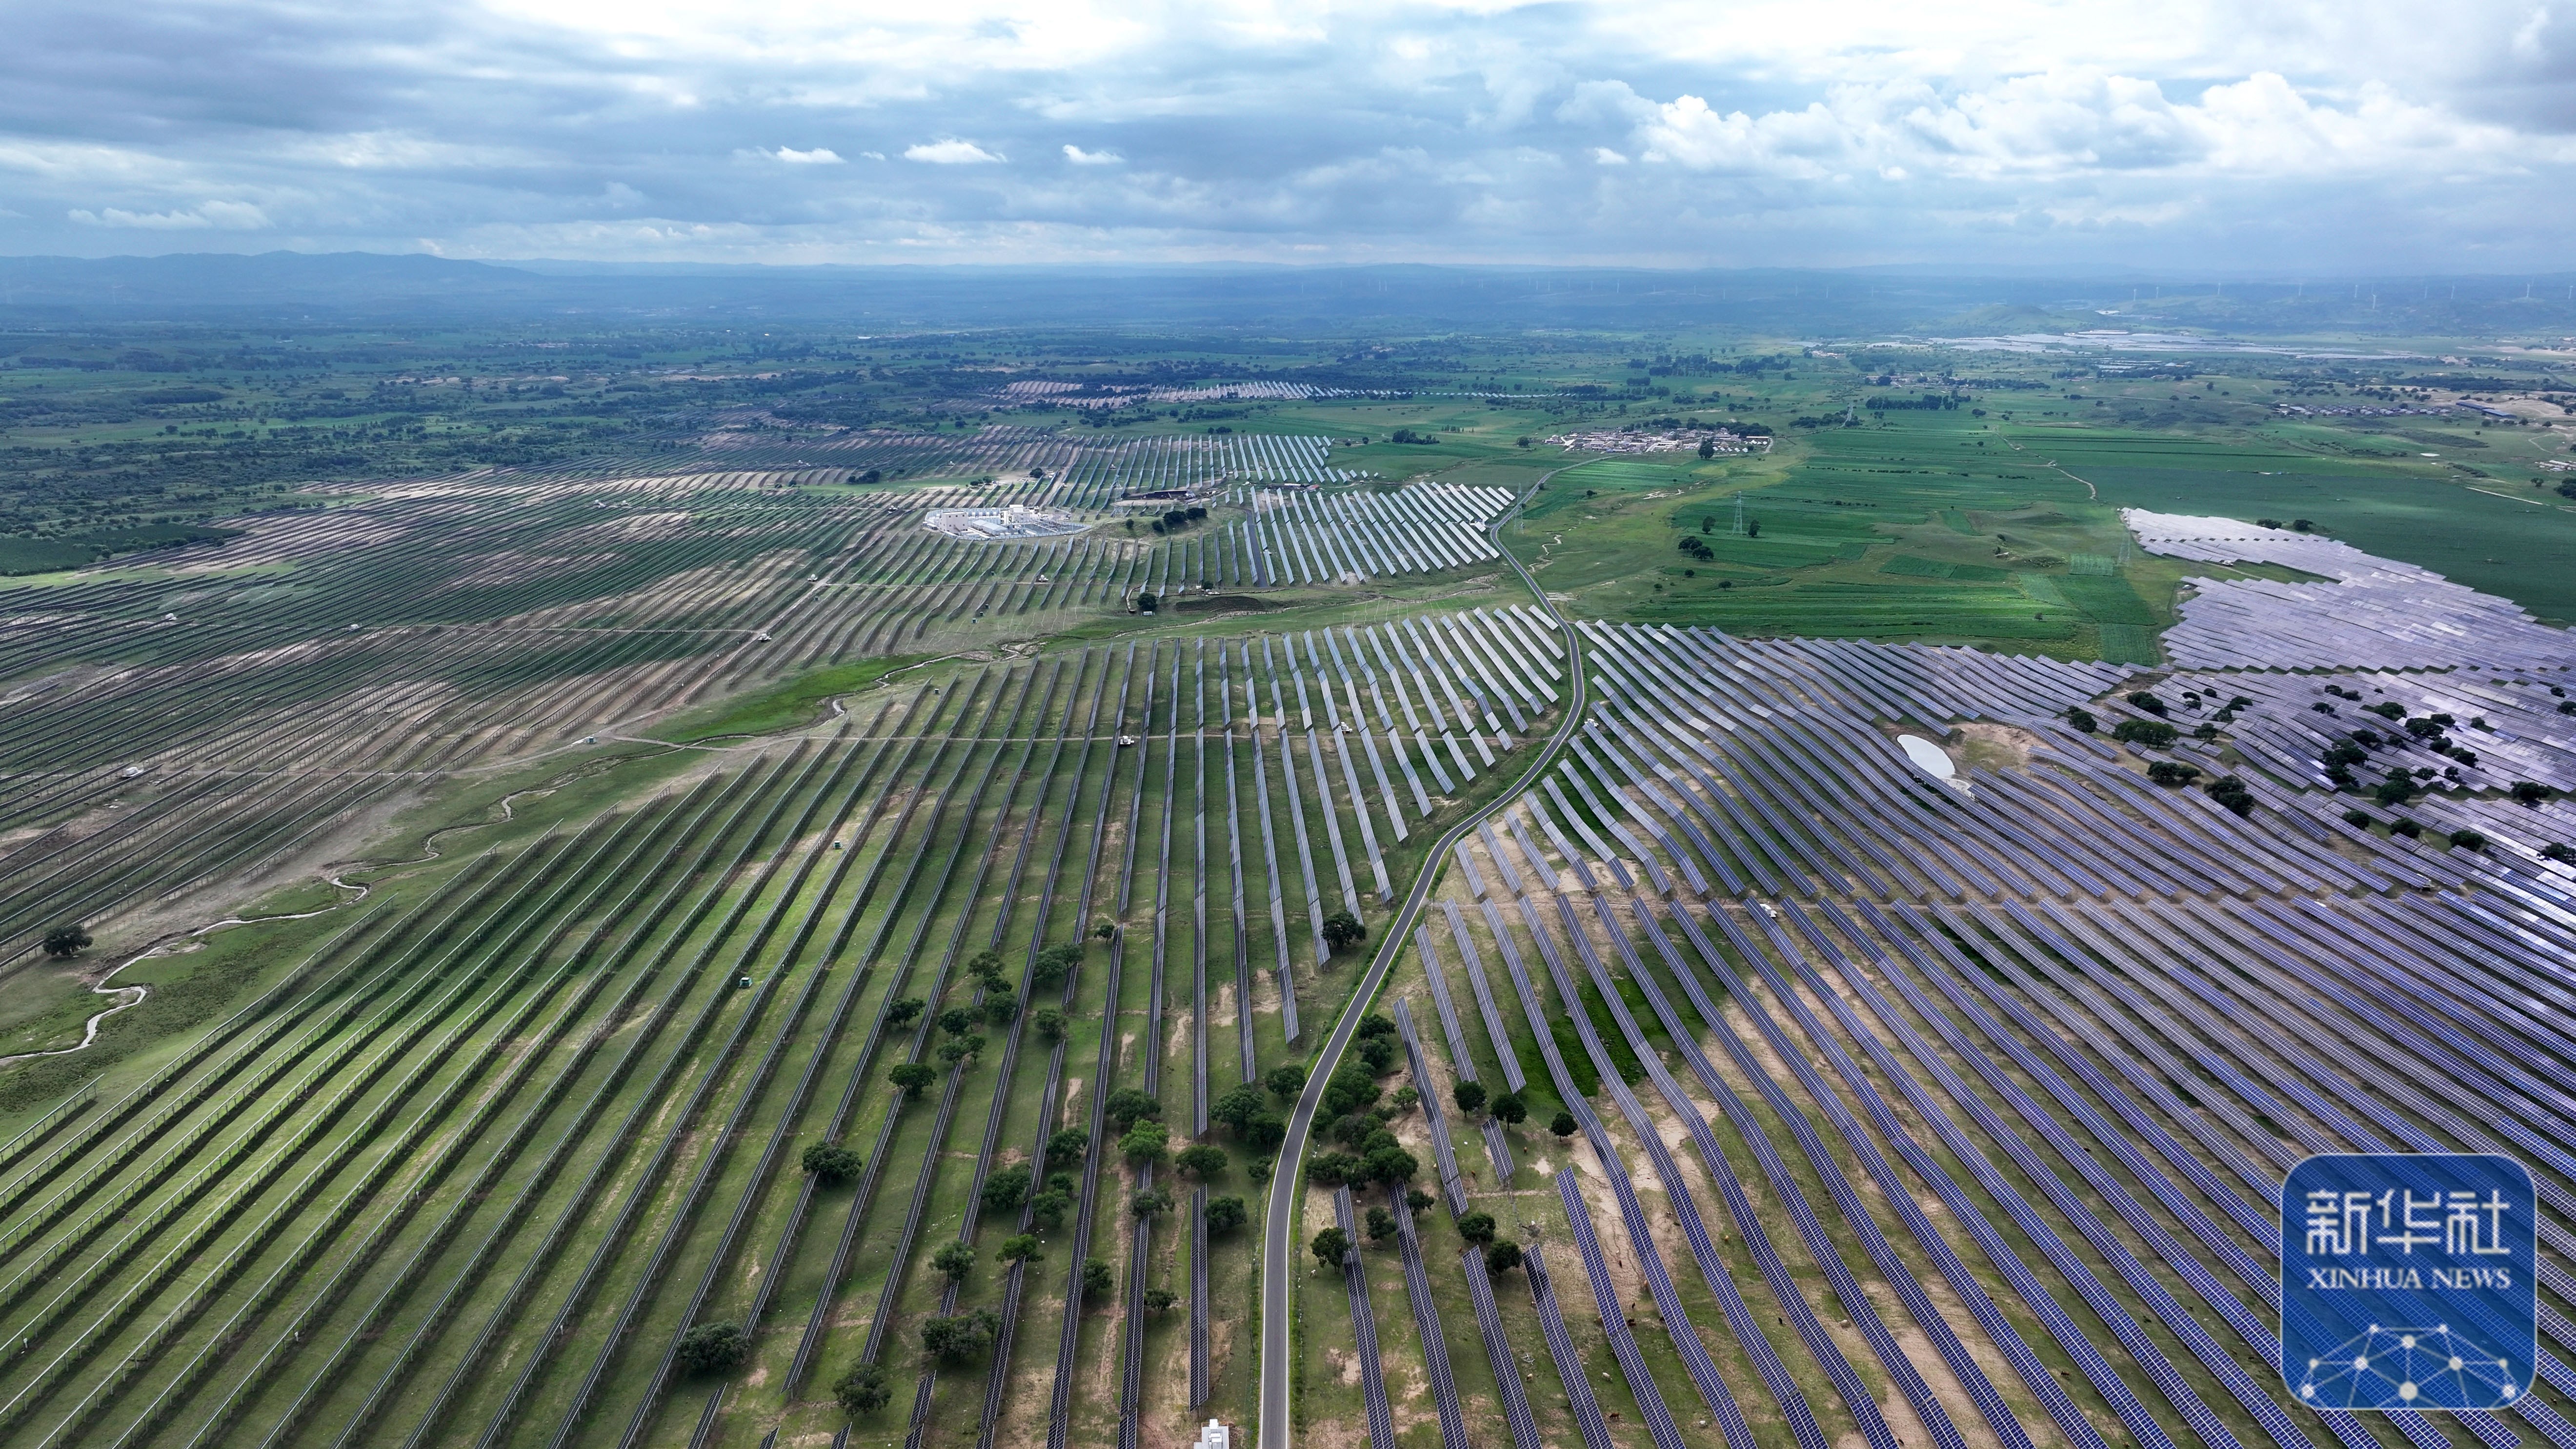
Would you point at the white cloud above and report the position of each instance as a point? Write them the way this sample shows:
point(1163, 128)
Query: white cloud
point(819, 156)
point(1607, 157)
point(1080, 157)
point(208, 215)
point(950, 153)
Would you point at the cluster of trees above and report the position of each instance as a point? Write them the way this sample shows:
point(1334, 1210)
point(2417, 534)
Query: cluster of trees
point(1176, 519)
point(1692, 546)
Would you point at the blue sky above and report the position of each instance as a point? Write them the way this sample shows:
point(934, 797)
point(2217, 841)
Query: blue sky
point(2274, 138)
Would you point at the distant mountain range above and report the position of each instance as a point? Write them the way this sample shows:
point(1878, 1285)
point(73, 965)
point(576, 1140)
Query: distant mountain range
point(351, 287)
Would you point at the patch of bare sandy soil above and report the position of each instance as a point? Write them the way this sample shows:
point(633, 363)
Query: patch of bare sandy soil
point(1988, 745)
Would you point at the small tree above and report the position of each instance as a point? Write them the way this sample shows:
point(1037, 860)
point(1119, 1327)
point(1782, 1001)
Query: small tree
point(1417, 1200)
point(1000, 1007)
point(1286, 1081)
point(961, 1049)
point(1470, 1096)
point(1146, 1142)
point(1097, 1280)
point(1564, 1125)
point(1392, 1164)
point(962, 1335)
point(1049, 1022)
point(863, 1390)
point(2468, 840)
point(64, 942)
point(1342, 930)
point(1047, 1209)
point(1330, 1246)
point(1148, 1204)
point(911, 1077)
point(1201, 1160)
point(1127, 1105)
point(1502, 1255)
point(1510, 1109)
point(1022, 1248)
point(1238, 1105)
point(1160, 1300)
point(831, 1163)
point(712, 1348)
point(1477, 1227)
point(1070, 1145)
point(2529, 793)
point(901, 1013)
point(1007, 1187)
point(1381, 1225)
point(2560, 852)
point(1225, 1214)
point(957, 1021)
point(954, 1260)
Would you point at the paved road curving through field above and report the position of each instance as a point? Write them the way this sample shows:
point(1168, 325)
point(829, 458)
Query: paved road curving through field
point(1279, 1248)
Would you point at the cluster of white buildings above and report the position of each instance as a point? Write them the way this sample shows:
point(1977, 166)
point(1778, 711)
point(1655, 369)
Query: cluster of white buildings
point(1622, 441)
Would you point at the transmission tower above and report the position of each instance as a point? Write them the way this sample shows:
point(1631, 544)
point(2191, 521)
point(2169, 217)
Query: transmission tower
point(1738, 530)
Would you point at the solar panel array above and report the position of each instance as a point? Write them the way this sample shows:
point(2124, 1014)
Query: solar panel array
point(1995, 1081)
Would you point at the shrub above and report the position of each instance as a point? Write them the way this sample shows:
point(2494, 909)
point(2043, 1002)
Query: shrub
point(2560, 852)
point(2358, 819)
point(1049, 1022)
point(1350, 1089)
point(1405, 1100)
point(1333, 1169)
point(1381, 1225)
point(1225, 1214)
point(1330, 1246)
point(1265, 1132)
point(2394, 791)
point(2148, 702)
point(1160, 1300)
point(2407, 828)
point(2529, 793)
point(2230, 791)
point(1238, 1106)
point(2154, 734)
point(2082, 720)
point(1416, 1199)
point(1127, 1106)
point(1055, 963)
point(1147, 1204)
point(1097, 1280)
point(1286, 1081)
point(1146, 1142)
point(2468, 840)
point(2172, 772)
point(1201, 1160)
point(1392, 1164)
point(863, 1390)
point(712, 1348)
point(960, 1335)
point(1070, 1145)
point(65, 942)
point(1007, 1188)
point(1379, 1053)
point(831, 1163)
